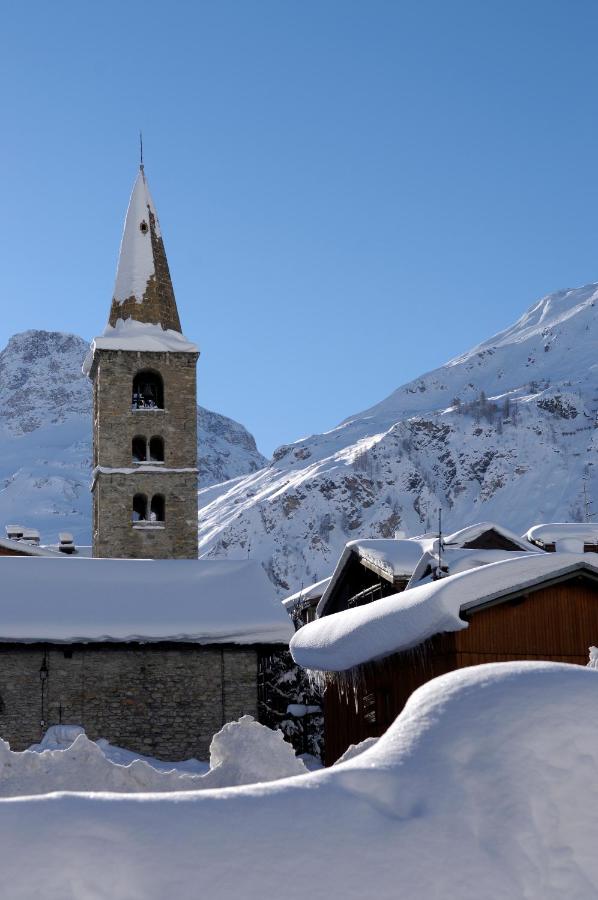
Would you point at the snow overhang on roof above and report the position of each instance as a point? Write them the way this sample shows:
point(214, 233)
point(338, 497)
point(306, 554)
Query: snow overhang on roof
point(129, 334)
point(551, 533)
point(457, 559)
point(340, 641)
point(144, 601)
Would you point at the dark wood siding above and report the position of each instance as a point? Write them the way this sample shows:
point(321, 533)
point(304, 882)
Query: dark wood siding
point(556, 623)
point(8, 551)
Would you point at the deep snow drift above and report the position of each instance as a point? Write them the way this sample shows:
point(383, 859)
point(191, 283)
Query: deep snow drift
point(242, 752)
point(485, 786)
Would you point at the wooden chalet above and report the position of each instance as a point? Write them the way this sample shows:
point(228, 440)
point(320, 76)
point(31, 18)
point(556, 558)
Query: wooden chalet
point(371, 569)
point(530, 607)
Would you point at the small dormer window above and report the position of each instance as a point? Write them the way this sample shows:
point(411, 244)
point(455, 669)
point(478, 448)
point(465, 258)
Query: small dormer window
point(143, 227)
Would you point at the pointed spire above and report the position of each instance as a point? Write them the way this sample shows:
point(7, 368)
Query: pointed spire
point(143, 289)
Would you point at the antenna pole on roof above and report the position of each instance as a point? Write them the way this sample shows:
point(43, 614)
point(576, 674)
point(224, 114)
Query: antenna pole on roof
point(587, 505)
point(439, 569)
point(141, 150)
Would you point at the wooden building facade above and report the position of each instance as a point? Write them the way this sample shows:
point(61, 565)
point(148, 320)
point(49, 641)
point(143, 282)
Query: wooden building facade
point(555, 620)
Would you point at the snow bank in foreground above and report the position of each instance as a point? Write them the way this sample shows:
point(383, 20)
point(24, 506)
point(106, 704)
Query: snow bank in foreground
point(486, 786)
point(242, 752)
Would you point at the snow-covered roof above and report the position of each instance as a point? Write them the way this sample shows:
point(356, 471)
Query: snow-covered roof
point(345, 639)
point(136, 260)
point(456, 559)
point(91, 600)
point(129, 334)
point(311, 592)
point(473, 532)
point(586, 532)
point(27, 548)
point(391, 558)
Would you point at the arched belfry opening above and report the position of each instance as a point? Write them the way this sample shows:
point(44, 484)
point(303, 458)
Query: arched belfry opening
point(139, 508)
point(158, 508)
point(148, 390)
point(156, 449)
point(139, 449)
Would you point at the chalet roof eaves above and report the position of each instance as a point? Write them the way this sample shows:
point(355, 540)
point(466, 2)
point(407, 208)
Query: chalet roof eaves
point(535, 584)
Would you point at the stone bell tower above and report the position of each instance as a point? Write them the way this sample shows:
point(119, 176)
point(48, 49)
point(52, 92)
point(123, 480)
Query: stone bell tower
point(144, 405)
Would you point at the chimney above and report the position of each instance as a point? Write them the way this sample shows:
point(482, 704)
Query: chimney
point(30, 536)
point(66, 543)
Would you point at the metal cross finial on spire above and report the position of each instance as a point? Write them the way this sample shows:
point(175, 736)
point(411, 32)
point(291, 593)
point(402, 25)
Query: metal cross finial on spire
point(141, 150)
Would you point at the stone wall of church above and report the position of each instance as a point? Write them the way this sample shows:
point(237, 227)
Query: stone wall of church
point(162, 700)
point(117, 536)
point(115, 424)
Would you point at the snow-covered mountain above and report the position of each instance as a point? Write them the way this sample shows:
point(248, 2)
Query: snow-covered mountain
point(506, 431)
point(45, 437)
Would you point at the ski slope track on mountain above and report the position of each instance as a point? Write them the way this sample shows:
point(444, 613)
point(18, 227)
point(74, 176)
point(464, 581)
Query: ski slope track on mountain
point(505, 433)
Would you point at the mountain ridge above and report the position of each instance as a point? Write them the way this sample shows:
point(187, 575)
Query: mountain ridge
point(505, 431)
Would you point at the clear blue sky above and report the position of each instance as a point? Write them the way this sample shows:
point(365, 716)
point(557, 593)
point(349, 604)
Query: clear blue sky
point(350, 193)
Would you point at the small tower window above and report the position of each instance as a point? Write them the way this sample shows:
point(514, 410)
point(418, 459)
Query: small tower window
point(140, 508)
point(156, 449)
point(157, 508)
point(139, 449)
point(148, 391)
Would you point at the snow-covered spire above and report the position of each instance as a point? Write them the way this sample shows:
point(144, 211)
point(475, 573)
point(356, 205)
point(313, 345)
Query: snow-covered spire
point(143, 289)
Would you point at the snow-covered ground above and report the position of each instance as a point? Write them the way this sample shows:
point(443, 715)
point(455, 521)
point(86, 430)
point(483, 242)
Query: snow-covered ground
point(486, 786)
point(242, 752)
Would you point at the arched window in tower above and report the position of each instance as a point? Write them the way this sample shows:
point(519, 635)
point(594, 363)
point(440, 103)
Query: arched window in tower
point(148, 390)
point(156, 449)
point(157, 508)
point(139, 508)
point(139, 449)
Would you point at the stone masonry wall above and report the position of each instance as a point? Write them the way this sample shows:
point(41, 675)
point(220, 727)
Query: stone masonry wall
point(115, 424)
point(162, 700)
point(118, 537)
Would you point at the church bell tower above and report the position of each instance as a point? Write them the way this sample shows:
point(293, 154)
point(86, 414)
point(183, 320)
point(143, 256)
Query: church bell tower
point(144, 405)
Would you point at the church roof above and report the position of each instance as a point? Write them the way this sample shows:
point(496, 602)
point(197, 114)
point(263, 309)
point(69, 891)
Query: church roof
point(143, 290)
point(211, 601)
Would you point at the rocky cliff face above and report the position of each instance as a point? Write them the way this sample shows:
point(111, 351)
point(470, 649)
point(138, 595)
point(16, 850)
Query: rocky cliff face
point(505, 432)
point(45, 437)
